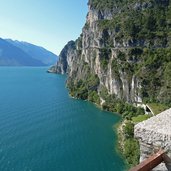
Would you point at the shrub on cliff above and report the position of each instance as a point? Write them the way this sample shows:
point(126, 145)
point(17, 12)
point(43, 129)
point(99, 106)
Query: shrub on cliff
point(132, 151)
point(129, 130)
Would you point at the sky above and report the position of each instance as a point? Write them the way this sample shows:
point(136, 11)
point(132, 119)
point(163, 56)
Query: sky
point(47, 23)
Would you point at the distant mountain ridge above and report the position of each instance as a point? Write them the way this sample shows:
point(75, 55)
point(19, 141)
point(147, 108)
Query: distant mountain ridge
point(10, 55)
point(15, 53)
point(36, 52)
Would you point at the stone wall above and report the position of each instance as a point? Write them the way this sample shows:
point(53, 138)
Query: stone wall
point(154, 134)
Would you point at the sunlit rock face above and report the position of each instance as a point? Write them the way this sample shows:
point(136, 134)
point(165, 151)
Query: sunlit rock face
point(154, 134)
point(118, 56)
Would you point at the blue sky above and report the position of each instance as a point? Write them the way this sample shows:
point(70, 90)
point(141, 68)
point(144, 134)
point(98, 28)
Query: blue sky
point(48, 23)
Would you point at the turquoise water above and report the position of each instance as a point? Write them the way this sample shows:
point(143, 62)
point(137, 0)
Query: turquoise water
point(43, 129)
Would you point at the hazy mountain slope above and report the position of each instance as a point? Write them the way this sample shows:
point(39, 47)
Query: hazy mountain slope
point(36, 52)
point(10, 55)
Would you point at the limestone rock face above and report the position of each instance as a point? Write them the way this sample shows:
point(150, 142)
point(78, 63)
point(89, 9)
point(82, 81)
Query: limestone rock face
point(154, 134)
point(65, 58)
point(108, 52)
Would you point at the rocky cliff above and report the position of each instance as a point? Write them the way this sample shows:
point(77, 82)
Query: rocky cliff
point(123, 52)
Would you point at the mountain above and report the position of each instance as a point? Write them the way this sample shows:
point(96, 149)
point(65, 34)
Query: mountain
point(36, 52)
point(122, 55)
point(10, 55)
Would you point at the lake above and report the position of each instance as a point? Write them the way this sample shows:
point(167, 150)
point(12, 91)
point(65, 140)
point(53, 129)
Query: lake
point(43, 129)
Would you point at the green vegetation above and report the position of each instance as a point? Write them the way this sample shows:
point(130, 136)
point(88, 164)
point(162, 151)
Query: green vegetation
point(151, 24)
point(104, 57)
point(93, 97)
point(131, 148)
point(131, 151)
point(116, 105)
point(154, 73)
point(121, 56)
point(128, 129)
point(85, 89)
point(128, 146)
point(99, 4)
point(157, 107)
point(115, 67)
point(140, 118)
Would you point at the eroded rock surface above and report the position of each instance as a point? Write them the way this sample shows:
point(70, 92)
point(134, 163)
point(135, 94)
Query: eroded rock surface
point(121, 47)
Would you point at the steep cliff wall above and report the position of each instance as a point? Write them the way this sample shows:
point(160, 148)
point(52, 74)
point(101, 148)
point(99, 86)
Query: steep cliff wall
point(122, 53)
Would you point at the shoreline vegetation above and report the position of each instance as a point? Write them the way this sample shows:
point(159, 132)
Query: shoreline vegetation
point(126, 145)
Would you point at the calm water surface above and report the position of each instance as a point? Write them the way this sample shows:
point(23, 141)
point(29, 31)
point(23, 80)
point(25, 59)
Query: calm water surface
point(43, 129)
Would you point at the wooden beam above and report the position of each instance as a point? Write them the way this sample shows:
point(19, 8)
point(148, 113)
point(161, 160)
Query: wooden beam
point(167, 161)
point(150, 163)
